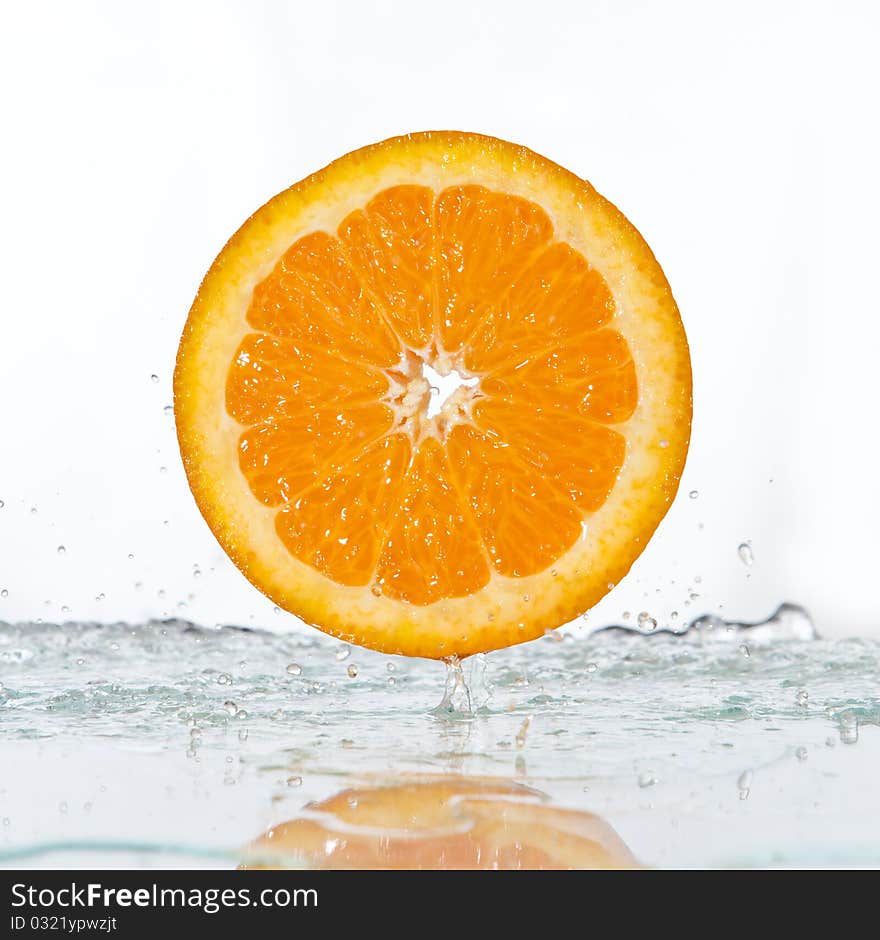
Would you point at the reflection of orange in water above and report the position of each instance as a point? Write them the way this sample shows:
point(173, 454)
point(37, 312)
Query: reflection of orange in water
point(449, 823)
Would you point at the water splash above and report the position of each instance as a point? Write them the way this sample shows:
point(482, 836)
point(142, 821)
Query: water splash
point(789, 622)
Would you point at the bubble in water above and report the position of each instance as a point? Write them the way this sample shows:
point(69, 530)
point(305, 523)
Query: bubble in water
point(802, 698)
point(352, 671)
point(230, 707)
point(242, 734)
point(376, 591)
point(61, 549)
point(294, 781)
point(744, 784)
point(591, 667)
point(343, 654)
point(63, 807)
point(294, 669)
point(746, 555)
point(2, 504)
point(745, 651)
point(154, 378)
point(224, 678)
point(390, 667)
point(801, 754)
point(694, 494)
point(4, 593)
point(646, 621)
point(278, 713)
point(168, 410)
point(647, 779)
point(392, 680)
point(521, 734)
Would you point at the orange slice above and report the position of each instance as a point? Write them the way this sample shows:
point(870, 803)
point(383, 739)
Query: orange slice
point(336, 480)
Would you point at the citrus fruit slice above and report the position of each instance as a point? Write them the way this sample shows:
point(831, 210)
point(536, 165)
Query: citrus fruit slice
point(334, 478)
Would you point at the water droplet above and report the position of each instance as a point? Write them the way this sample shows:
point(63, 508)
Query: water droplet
point(294, 781)
point(801, 754)
point(646, 621)
point(343, 654)
point(694, 494)
point(664, 444)
point(61, 549)
point(100, 597)
point(647, 779)
point(230, 707)
point(2, 504)
point(278, 713)
point(62, 807)
point(224, 678)
point(521, 734)
point(154, 378)
point(745, 651)
point(746, 555)
point(849, 727)
point(744, 784)
point(392, 680)
point(242, 734)
point(4, 593)
point(591, 667)
point(390, 667)
point(168, 410)
point(802, 698)
point(352, 671)
point(376, 591)
point(80, 662)
point(294, 669)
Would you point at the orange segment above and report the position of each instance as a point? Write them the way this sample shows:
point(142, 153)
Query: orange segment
point(353, 496)
point(280, 457)
point(525, 522)
point(556, 299)
point(595, 378)
point(390, 246)
point(484, 240)
point(433, 548)
point(313, 297)
point(338, 525)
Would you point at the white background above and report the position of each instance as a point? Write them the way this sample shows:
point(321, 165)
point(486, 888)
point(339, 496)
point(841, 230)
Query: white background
point(741, 139)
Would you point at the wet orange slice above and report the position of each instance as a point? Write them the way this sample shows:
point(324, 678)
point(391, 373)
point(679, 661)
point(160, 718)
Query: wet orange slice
point(351, 492)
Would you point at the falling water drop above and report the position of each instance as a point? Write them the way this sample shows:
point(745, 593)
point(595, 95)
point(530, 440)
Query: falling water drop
point(294, 669)
point(746, 555)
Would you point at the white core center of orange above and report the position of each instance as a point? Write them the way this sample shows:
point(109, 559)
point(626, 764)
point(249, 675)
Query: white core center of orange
point(444, 387)
point(430, 397)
